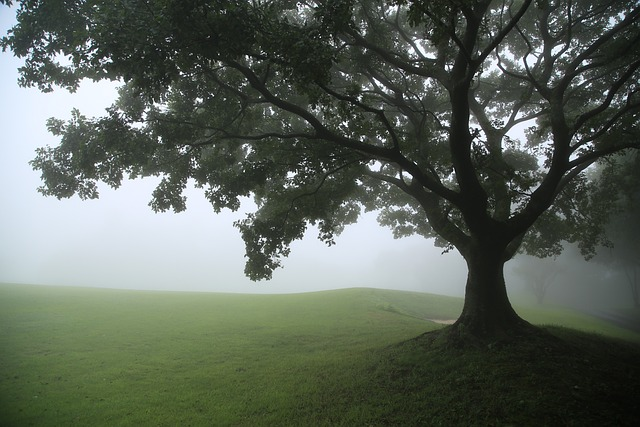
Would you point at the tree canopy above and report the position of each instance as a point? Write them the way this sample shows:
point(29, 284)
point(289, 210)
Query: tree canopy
point(469, 121)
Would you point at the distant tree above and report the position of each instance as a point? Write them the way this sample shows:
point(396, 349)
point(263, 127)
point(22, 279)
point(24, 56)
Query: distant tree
point(321, 109)
point(625, 253)
point(621, 176)
point(539, 274)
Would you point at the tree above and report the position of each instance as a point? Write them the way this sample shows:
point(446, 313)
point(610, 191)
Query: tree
point(539, 274)
point(320, 109)
point(625, 253)
point(621, 176)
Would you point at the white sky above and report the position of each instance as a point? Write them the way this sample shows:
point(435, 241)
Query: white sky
point(117, 241)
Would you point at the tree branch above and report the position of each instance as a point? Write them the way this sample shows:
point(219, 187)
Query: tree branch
point(608, 125)
point(396, 61)
point(572, 68)
point(613, 89)
point(377, 112)
point(317, 188)
point(322, 132)
point(437, 216)
point(592, 156)
point(504, 32)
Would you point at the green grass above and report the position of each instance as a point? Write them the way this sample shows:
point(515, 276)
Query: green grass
point(72, 356)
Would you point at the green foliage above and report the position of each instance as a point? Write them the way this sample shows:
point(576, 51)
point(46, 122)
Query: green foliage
point(321, 109)
point(111, 357)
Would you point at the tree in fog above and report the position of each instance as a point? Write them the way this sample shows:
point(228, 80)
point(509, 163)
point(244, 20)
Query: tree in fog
point(621, 176)
point(323, 109)
point(625, 253)
point(539, 274)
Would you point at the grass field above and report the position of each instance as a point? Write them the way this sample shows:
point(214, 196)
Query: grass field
point(96, 357)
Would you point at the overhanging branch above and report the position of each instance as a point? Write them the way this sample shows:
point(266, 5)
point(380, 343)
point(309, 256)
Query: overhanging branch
point(431, 203)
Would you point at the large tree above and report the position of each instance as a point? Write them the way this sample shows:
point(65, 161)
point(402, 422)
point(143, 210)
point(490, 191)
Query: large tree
point(320, 109)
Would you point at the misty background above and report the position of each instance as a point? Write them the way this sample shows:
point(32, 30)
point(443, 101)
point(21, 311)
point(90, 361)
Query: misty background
point(117, 241)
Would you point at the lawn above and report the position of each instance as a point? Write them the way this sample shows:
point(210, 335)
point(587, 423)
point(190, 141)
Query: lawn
point(74, 356)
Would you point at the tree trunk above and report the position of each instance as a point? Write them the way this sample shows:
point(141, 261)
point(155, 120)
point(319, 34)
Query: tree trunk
point(487, 314)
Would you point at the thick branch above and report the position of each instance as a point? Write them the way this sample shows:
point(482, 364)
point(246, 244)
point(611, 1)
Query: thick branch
point(431, 203)
point(594, 155)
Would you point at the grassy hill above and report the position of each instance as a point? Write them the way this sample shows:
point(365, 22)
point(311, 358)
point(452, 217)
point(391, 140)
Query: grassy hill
point(74, 356)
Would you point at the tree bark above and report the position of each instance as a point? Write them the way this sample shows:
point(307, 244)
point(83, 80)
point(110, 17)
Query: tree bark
point(487, 314)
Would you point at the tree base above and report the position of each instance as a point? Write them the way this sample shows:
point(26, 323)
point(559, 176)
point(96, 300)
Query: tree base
point(463, 335)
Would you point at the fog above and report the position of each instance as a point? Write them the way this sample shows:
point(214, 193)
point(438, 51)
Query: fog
point(117, 241)
point(574, 282)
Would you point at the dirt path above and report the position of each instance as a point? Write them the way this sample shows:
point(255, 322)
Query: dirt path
point(443, 321)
